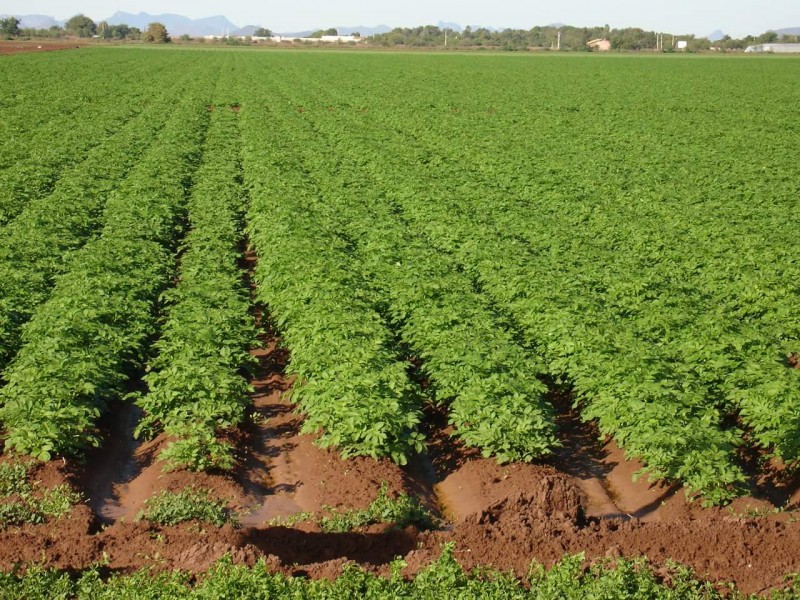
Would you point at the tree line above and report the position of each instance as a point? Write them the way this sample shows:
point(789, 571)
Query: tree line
point(548, 37)
point(571, 38)
point(82, 26)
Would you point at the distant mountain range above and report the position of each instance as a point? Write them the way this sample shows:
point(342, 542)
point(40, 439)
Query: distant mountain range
point(788, 31)
point(220, 25)
point(36, 21)
point(177, 24)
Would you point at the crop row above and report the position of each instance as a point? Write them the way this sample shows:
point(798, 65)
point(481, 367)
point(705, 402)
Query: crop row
point(82, 344)
point(679, 304)
point(196, 384)
point(468, 357)
point(61, 144)
point(35, 115)
point(35, 245)
point(492, 219)
point(645, 406)
point(349, 383)
point(648, 410)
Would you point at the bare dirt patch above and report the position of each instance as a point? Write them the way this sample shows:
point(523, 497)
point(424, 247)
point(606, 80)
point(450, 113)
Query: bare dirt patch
point(16, 47)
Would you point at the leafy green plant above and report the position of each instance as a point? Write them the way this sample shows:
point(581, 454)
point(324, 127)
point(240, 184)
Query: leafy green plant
point(61, 145)
point(400, 511)
point(471, 361)
point(172, 508)
point(596, 288)
point(291, 520)
point(444, 578)
point(82, 343)
point(34, 244)
point(349, 381)
point(24, 501)
point(197, 387)
point(657, 283)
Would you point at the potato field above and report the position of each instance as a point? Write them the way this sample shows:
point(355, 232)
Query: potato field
point(472, 310)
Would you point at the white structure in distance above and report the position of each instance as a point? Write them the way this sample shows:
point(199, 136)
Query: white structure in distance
point(776, 48)
point(325, 39)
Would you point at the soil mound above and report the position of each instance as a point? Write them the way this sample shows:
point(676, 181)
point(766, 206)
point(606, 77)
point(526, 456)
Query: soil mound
point(553, 497)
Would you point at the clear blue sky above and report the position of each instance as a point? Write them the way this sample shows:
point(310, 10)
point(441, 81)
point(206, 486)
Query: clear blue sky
point(735, 17)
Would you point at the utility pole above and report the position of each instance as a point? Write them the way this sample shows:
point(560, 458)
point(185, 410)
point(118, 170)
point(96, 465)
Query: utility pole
point(445, 38)
point(559, 41)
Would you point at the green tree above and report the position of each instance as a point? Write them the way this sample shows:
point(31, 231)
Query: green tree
point(9, 27)
point(119, 32)
point(262, 32)
point(320, 32)
point(82, 26)
point(156, 33)
point(768, 37)
point(104, 30)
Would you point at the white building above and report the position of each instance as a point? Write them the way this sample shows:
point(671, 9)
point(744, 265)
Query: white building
point(325, 39)
point(776, 48)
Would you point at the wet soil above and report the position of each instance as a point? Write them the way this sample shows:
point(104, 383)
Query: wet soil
point(602, 473)
point(503, 516)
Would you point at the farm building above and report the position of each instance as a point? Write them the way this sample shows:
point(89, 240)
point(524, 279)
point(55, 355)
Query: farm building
point(325, 39)
point(600, 44)
point(776, 48)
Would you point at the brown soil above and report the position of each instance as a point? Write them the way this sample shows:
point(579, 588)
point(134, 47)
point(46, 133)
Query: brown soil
point(15, 47)
point(581, 500)
point(504, 516)
point(285, 471)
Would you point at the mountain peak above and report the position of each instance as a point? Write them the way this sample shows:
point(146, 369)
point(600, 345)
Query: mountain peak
point(177, 24)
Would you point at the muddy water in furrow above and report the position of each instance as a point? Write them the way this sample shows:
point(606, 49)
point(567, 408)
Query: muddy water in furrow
point(600, 469)
point(268, 473)
point(118, 462)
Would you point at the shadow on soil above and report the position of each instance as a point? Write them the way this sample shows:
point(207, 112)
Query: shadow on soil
point(293, 546)
point(115, 462)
